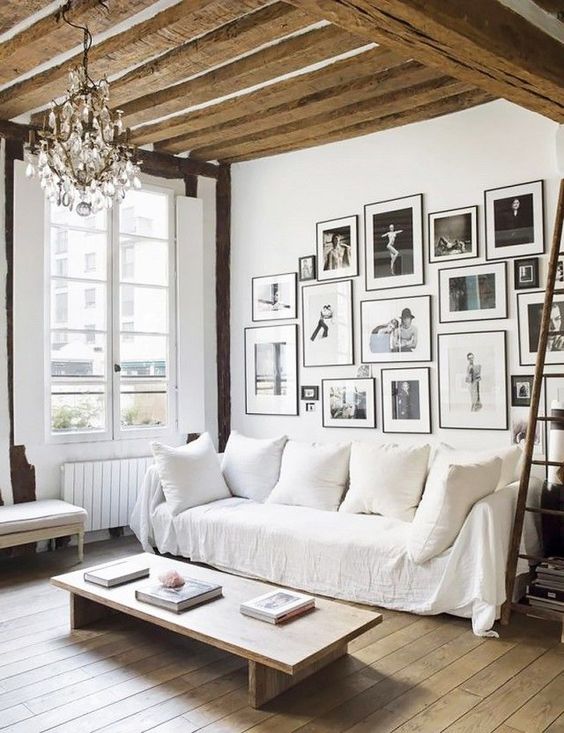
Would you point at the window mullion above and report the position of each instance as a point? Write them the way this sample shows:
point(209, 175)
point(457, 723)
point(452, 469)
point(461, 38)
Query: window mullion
point(113, 289)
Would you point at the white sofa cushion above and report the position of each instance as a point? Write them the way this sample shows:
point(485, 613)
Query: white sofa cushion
point(313, 475)
point(449, 496)
point(386, 479)
point(190, 475)
point(510, 469)
point(41, 514)
point(251, 466)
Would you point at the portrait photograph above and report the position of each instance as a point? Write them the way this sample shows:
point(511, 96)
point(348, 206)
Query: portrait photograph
point(473, 293)
point(406, 402)
point(274, 297)
point(453, 234)
point(271, 370)
point(521, 390)
point(348, 403)
point(529, 314)
point(396, 329)
point(526, 273)
point(472, 380)
point(514, 221)
point(394, 243)
point(327, 314)
point(307, 268)
point(337, 248)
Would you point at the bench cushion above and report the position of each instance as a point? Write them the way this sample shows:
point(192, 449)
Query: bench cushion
point(32, 515)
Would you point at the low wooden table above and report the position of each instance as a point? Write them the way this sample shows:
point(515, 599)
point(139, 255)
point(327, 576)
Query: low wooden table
point(278, 656)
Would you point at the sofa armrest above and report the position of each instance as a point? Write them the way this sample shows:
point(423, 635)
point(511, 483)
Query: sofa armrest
point(150, 496)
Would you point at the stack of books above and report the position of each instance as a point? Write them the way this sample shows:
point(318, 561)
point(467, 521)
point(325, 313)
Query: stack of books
point(547, 590)
point(192, 593)
point(278, 606)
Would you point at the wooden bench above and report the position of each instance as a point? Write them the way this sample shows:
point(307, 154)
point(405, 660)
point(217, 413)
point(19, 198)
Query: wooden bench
point(46, 519)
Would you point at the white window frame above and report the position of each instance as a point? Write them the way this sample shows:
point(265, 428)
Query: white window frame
point(114, 431)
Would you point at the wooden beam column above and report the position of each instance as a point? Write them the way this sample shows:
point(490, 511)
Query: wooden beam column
point(223, 302)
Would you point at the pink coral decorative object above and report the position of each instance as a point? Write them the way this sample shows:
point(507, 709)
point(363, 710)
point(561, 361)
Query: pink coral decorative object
point(171, 579)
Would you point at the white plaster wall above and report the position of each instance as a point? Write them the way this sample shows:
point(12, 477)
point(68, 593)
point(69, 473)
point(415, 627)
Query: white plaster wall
point(451, 160)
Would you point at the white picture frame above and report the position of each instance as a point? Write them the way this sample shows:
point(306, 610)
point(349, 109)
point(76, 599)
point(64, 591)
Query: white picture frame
point(271, 370)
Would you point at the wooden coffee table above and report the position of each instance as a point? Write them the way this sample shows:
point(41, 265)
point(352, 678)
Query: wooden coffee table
point(278, 656)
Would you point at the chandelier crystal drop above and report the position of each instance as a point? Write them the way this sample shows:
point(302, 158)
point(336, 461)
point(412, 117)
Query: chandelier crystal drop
point(83, 156)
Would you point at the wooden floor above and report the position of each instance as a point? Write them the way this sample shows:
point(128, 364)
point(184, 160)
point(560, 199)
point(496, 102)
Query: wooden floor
point(424, 674)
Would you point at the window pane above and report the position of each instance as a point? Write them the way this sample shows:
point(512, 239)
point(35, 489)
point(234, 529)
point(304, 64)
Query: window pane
point(78, 354)
point(77, 305)
point(77, 408)
point(144, 261)
point(61, 215)
point(146, 308)
point(143, 404)
point(143, 356)
point(145, 213)
point(85, 255)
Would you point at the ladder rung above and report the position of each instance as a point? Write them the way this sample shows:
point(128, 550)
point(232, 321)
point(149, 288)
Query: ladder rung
point(547, 418)
point(546, 613)
point(542, 510)
point(556, 333)
point(542, 558)
point(547, 463)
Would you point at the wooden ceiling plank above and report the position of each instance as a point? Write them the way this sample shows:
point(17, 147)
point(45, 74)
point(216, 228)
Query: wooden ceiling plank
point(337, 72)
point(302, 108)
point(13, 12)
point(554, 7)
point(281, 58)
point(482, 42)
point(145, 40)
point(50, 36)
point(378, 105)
point(414, 114)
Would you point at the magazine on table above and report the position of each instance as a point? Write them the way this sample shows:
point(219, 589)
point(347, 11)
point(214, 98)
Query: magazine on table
point(278, 606)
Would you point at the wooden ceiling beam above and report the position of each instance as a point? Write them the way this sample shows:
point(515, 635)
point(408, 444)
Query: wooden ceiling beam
point(14, 11)
point(281, 58)
point(414, 114)
point(482, 42)
point(379, 105)
point(50, 36)
point(337, 72)
point(301, 109)
point(145, 40)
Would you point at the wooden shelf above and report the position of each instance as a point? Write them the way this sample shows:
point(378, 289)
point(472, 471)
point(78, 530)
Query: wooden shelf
point(541, 510)
point(545, 613)
point(549, 418)
point(537, 462)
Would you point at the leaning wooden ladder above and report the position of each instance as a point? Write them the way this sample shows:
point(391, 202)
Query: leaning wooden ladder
point(522, 505)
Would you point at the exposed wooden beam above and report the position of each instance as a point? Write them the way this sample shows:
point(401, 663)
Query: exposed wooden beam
point(377, 105)
point(555, 7)
point(481, 42)
point(400, 77)
point(14, 11)
point(416, 114)
point(288, 55)
point(50, 36)
point(223, 303)
point(156, 35)
point(338, 72)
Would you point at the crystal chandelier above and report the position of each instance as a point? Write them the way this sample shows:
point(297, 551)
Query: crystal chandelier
point(83, 156)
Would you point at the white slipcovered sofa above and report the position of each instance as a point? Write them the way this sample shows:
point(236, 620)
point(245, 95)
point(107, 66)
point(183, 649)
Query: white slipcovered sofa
point(363, 557)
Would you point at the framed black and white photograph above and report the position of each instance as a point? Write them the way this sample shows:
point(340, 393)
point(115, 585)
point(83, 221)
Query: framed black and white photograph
point(394, 243)
point(348, 403)
point(560, 270)
point(275, 297)
point(514, 221)
point(521, 390)
point(271, 370)
point(472, 380)
point(453, 234)
point(327, 312)
point(309, 393)
point(473, 293)
point(306, 268)
point(526, 273)
point(396, 329)
point(337, 248)
point(529, 314)
point(406, 400)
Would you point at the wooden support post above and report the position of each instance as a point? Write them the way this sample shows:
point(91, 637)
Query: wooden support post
point(190, 185)
point(223, 302)
point(84, 612)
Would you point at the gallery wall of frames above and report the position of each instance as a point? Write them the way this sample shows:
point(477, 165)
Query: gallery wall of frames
point(350, 336)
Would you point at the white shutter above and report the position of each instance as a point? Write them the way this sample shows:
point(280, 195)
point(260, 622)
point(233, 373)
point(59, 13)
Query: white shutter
point(190, 314)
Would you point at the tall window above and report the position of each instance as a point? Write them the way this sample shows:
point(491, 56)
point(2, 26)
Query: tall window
point(111, 324)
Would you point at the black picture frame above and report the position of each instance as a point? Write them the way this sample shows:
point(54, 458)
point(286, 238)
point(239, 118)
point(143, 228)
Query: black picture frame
point(555, 345)
point(427, 378)
point(433, 216)
point(321, 228)
point(495, 251)
point(526, 262)
point(292, 313)
point(517, 380)
point(465, 271)
point(344, 425)
point(313, 261)
point(306, 289)
point(313, 397)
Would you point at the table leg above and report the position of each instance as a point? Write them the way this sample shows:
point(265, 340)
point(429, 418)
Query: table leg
point(265, 683)
point(83, 611)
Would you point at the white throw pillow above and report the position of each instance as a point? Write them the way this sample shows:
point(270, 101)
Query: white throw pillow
point(190, 475)
point(449, 496)
point(510, 457)
point(251, 466)
point(313, 475)
point(386, 480)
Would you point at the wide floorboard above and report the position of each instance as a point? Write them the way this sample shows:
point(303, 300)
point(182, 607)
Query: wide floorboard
point(411, 673)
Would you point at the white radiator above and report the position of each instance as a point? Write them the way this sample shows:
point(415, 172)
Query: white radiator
point(106, 489)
